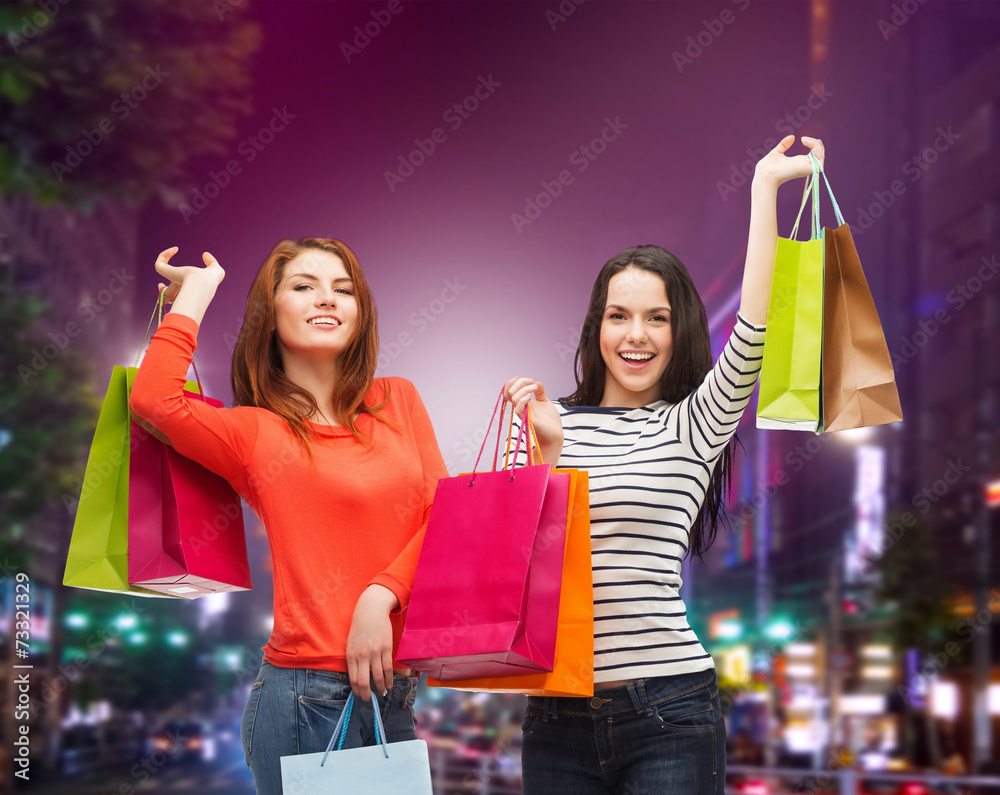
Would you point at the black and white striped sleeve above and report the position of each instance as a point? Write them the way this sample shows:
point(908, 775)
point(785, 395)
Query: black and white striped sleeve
point(708, 418)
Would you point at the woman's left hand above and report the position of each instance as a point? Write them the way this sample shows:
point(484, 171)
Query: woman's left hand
point(369, 642)
point(777, 167)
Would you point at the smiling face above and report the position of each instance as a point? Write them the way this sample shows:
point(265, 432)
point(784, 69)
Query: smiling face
point(636, 338)
point(316, 311)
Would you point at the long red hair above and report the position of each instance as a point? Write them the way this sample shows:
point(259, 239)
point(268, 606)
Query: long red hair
point(257, 373)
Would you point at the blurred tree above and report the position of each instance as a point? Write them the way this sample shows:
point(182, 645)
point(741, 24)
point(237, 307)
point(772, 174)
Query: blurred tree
point(38, 465)
point(112, 99)
point(914, 584)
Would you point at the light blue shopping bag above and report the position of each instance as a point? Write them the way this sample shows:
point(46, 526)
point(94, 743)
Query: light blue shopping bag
point(382, 769)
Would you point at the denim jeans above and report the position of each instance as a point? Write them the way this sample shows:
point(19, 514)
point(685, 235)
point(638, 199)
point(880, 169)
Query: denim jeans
point(295, 710)
point(656, 736)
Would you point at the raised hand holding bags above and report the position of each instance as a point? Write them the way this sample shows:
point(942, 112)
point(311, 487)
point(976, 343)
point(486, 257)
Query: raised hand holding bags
point(856, 385)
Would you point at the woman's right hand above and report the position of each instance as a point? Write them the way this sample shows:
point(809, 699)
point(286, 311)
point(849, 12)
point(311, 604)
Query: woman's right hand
point(212, 272)
point(544, 414)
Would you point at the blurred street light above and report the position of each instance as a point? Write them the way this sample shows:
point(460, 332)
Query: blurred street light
point(992, 495)
point(177, 638)
point(993, 699)
point(77, 620)
point(780, 629)
point(730, 629)
point(126, 622)
point(137, 638)
point(944, 700)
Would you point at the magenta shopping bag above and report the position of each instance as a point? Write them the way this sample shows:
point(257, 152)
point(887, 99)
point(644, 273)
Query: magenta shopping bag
point(185, 523)
point(485, 597)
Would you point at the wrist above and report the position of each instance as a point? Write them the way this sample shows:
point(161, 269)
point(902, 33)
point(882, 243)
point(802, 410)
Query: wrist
point(382, 596)
point(764, 181)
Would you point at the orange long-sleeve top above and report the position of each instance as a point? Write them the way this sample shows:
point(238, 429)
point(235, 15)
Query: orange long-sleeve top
point(355, 517)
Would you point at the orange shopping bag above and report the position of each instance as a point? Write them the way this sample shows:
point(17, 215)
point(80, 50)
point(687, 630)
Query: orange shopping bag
point(573, 670)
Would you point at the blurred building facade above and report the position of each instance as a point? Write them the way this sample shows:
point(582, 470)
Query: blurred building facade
point(784, 613)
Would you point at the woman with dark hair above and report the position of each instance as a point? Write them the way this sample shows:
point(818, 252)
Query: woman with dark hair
point(340, 466)
point(654, 424)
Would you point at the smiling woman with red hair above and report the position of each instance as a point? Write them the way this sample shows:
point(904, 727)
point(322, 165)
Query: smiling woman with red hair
point(340, 466)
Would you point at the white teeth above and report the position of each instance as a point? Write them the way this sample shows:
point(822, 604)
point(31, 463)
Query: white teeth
point(637, 357)
point(326, 321)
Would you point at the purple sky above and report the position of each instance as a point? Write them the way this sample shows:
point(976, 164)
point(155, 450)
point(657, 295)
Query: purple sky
point(521, 293)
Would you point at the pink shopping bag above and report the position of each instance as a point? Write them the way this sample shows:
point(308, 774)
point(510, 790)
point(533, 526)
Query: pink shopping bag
point(485, 596)
point(185, 523)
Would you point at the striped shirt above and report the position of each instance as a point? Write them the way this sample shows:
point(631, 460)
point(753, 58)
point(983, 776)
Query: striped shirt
point(649, 470)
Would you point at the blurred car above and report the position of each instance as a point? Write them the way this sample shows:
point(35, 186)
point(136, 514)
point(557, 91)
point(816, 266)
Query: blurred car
point(184, 740)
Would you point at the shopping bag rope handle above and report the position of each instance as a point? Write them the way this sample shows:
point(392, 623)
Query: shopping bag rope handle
point(532, 436)
point(142, 345)
point(340, 730)
point(489, 428)
point(812, 186)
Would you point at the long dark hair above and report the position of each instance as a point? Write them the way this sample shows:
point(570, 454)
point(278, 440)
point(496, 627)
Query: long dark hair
point(690, 362)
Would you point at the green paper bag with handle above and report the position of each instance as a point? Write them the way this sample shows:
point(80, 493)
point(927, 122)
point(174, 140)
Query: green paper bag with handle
point(98, 547)
point(791, 370)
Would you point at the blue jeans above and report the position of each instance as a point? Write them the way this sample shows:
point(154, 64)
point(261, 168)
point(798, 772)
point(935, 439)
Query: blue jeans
point(656, 736)
point(295, 710)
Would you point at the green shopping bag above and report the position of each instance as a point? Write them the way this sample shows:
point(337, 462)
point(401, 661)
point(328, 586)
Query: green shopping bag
point(98, 547)
point(790, 376)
